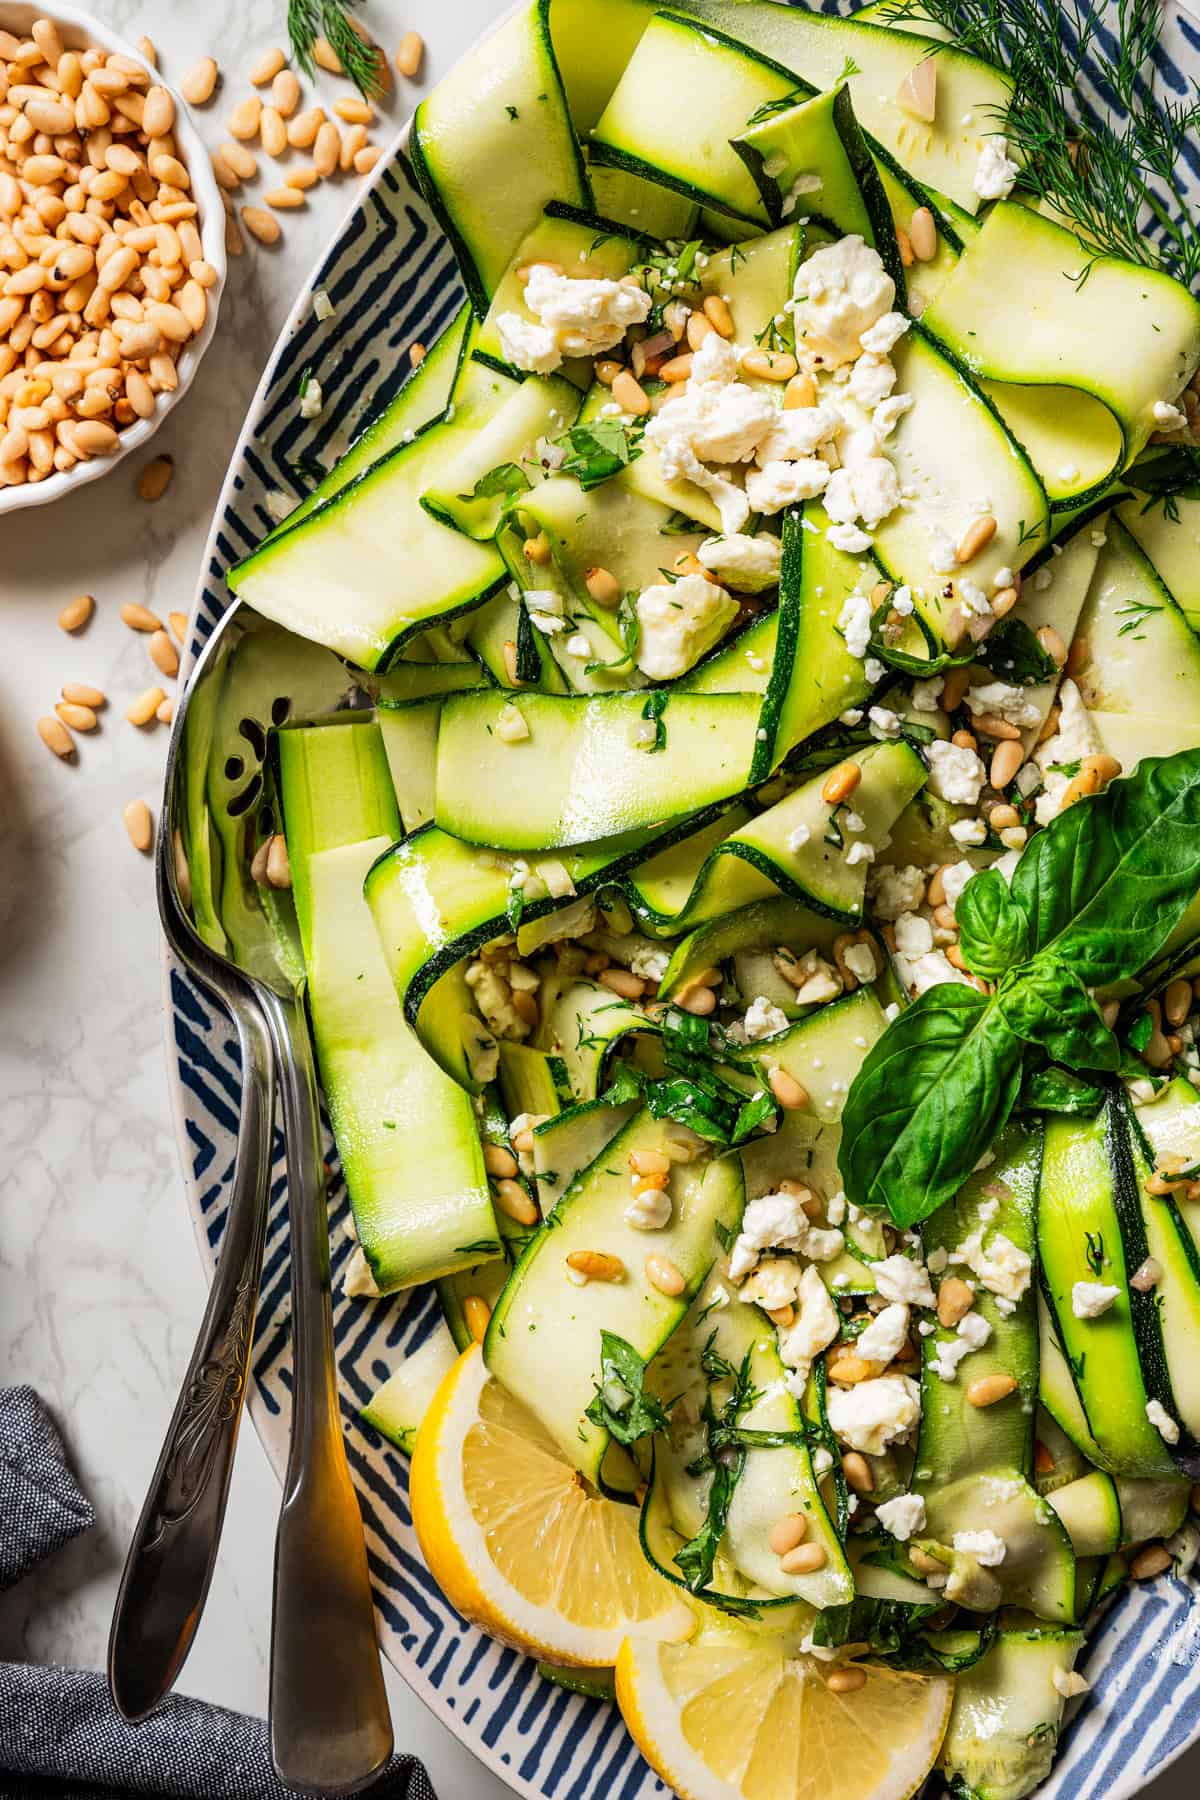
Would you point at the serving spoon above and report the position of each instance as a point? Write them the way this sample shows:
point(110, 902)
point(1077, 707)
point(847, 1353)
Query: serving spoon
point(330, 1726)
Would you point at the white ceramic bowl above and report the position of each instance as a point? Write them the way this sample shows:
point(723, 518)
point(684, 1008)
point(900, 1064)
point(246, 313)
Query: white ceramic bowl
point(81, 31)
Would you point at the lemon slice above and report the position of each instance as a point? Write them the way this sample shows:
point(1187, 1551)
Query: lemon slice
point(517, 1543)
point(732, 1717)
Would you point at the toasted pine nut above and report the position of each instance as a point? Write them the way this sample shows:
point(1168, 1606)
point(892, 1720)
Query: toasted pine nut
point(847, 1680)
point(676, 368)
point(366, 159)
point(848, 1370)
point(273, 131)
point(478, 1316)
point(630, 395)
point(164, 712)
point(840, 783)
point(805, 1559)
point(716, 311)
point(355, 111)
point(243, 121)
point(788, 1091)
point(258, 863)
point(143, 709)
point(302, 130)
point(163, 654)
point(81, 693)
point(1177, 1001)
point(649, 1162)
point(1006, 760)
point(94, 437)
point(140, 618)
point(75, 615)
point(266, 66)
point(954, 686)
point(537, 549)
point(787, 1532)
point(198, 84)
point(499, 1162)
point(596, 1265)
point(153, 483)
point(603, 587)
point(1004, 601)
point(801, 391)
point(327, 148)
point(279, 868)
point(1052, 644)
point(769, 365)
point(1106, 767)
point(410, 54)
point(139, 824)
point(988, 1389)
point(353, 141)
point(78, 717)
point(904, 245)
point(664, 1275)
point(1155, 1559)
point(622, 982)
point(55, 736)
point(976, 537)
point(991, 725)
point(303, 178)
point(857, 1471)
point(1078, 656)
point(782, 1316)
point(699, 326)
point(1003, 818)
point(1160, 1185)
point(699, 1001)
point(326, 57)
point(261, 224)
point(285, 92)
point(1080, 787)
point(515, 1203)
point(606, 370)
point(285, 199)
point(955, 1300)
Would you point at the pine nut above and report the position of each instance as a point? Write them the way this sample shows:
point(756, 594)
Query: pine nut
point(849, 1370)
point(55, 736)
point(922, 234)
point(478, 1316)
point(515, 1203)
point(146, 46)
point(352, 143)
point(499, 1162)
point(848, 1680)
point(904, 245)
point(261, 224)
point(198, 84)
point(700, 1002)
point(158, 114)
point(139, 824)
point(955, 1300)
point(303, 178)
point(1147, 1276)
point(327, 148)
point(1003, 818)
point(1080, 787)
point(410, 54)
point(787, 1090)
point(243, 121)
point(163, 654)
point(143, 709)
point(663, 1274)
point(676, 368)
point(781, 1316)
point(165, 711)
point(266, 66)
point(988, 1389)
point(258, 863)
point(79, 718)
point(1106, 767)
point(303, 130)
point(285, 92)
point(140, 618)
point(355, 111)
point(699, 326)
point(1052, 644)
point(1004, 601)
point(991, 725)
point(976, 537)
point(139, 393)
point(326, 57)
point(769, 365)
point(857, 1471)
point(716, 311)
point(1177, 1001)
point(95, 438)
point(603, 587)
point(279, 868)
point(1155, 1559)
point(81, 693)
point(801, 391)
point(622, 982)
point(1006, 760)
point(285, 199)
point(840, 783)
point(787, 1532)
point(596, 1265)
point(921, 1559)
point(366, 159)
point(153, 483)
point(1160, 1185)
point(954, 687)
point(273, 131)
point(805, 1559)
point(630, 395)
point(75, 615)
point(1078, 656)
point(649, 1162)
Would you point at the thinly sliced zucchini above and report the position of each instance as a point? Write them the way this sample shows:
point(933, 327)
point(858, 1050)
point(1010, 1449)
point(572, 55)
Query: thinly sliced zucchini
point(904, 197)
point(581, 1025)
point(761, 926)
point(1007, 1713)
point(1065, 334)
point(410, 740)
point(950, 449)
point(501, 106)
point(640, 205)
point(397, 1408)
point(1151, 1509)
point(1143, 657)
point(530, 1081)
point(1058, 1461)
point(1071, 567)
point(755, 277)
point(588, 768)
point(1175, 1300)
point(564, 1146)
point(973, 1464)
point(393, 1111)
point(546, 407)
point(337, 579)
point(1088, 1218)
point(497, 624)
point(1168, 533)
point(542, 1314)
point(1057, 1391)
point(593, 40)
point(1091, 1512)
point(1071, 438)
point(415, 680)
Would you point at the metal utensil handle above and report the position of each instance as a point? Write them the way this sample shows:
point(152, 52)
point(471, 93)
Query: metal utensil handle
point(330, 1726)
point(170, 1560)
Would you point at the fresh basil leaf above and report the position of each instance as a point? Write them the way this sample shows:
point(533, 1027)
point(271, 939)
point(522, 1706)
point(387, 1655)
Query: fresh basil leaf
point(753, 1115)
point(927, 1102)
point(1140, 1032)
point(621, 1367)
point(628, 1083)
point(598, 451)
point(1057, 1090)
point(505, 478)
point(993, 931)
point(1106, 882)
point(1048, 1006)
point(1013, 654)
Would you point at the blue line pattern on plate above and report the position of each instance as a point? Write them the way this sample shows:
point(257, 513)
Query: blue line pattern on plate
point(391, 278)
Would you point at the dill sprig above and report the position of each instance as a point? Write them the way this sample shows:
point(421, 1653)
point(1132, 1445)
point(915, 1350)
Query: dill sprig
point(1109, 166)
point(310, 19)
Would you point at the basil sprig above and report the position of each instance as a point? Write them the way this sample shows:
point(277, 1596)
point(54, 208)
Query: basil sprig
point(1093, 899)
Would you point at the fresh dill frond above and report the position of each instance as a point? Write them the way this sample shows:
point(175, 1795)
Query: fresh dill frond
point(308, 20)
point(1109, 169)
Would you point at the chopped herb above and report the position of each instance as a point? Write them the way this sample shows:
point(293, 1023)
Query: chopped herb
point(623, 1368)
point(506, 478)
point(599, 450)
point(655, 707)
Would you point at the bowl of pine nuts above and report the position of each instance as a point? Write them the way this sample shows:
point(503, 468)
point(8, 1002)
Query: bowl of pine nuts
point(112, 251)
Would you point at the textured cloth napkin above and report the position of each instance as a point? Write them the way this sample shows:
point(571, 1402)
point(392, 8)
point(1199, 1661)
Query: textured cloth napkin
point(60, 1736)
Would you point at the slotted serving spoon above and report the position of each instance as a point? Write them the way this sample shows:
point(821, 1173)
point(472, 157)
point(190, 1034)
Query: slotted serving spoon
point(330, 1726)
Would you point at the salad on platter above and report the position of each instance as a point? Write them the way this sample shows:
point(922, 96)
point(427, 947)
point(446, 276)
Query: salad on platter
point(750, 914)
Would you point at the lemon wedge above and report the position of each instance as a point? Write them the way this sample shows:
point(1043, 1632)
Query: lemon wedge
point(515, 1540)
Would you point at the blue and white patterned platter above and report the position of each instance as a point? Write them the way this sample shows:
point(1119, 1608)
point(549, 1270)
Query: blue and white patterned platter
point(391, 278)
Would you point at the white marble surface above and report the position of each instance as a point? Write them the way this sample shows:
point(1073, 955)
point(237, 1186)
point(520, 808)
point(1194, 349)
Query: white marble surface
point(100, 1285)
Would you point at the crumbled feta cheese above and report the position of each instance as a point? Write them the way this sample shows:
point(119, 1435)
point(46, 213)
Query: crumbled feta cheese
point(943, 552)
point(783, 484)
point(774, 1283)
point(883, 722)
point(860, 960)
point(902, 1516)
point(886, 1335)
point(679, 621)
point(1075, 738)
point(1000, 1266)
point(649, 1210)
point(357, 1278)
point(970, 833)
point(867, 488)
point(1091, 1298)
point(954, 880)
point(986, 1547)
point(312, 399)
point(849, 539)
point(816, 1326)
point(1006, 702)
point(899, 1278)
point(956, 774)
point(859, 853)
point(871, 380)
point(584, 316)
point(876, 1413)
point(749, 564)
point(526, 345)
point(798, 838)
point(897, 890)
point(763, 1019)
point(854, 623)
point(1169, 417)
point(995, 172)
point(933, 971)
point(841, 291)
point(778, 1221)
point(888, 414)
point(927, 695)
point(797, 433)
point(1163, 1423)
point(914, 935)
point(322, 305)
point(578, 645)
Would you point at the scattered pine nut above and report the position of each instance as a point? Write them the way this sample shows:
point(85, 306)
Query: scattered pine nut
point(139, 824)
point(261, 224)
point(988, 1389)
point(922, 234)
point(847, 1680)
point(976, 537)
point(857, 1471)
point(273, 131)
point(1155, 1559)
point(158, 114)
point(81, 693)
point(55, 736)
point(258, 863)
point(285, 92)
point(147, 47)
point(665, 1276)
point(304, 129)
point(786, 1533)
point(716, 311)
point(515, 1203)
point(770, 365)
point(411, 54)
point(355, 111)
point(266, 66)
point(955, 1300)
point(596, 1265)
point(353, 141)
point(163, 654)
point(140, 618)
point(165, 713)
point(840, 783)
point(284, 199)
point(155, 478)
point(144, 708)
point(326, 57)
point(200, 81)
point(805, 1559)
point(478, 1316)
point(603, 587)
point(76, 716)
point(786, 1089)
point(244, 120)
point(630, 395)
point(75, 615)
point(304, 177)
point(499, 1162)
point(366, 159)
point(326, 147)
point(279, 868)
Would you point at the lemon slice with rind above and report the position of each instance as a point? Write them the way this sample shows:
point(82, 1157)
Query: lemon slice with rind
point(730, 1716)
point(515, 1540)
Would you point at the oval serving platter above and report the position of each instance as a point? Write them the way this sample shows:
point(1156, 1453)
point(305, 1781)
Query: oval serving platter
point(391, 278)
